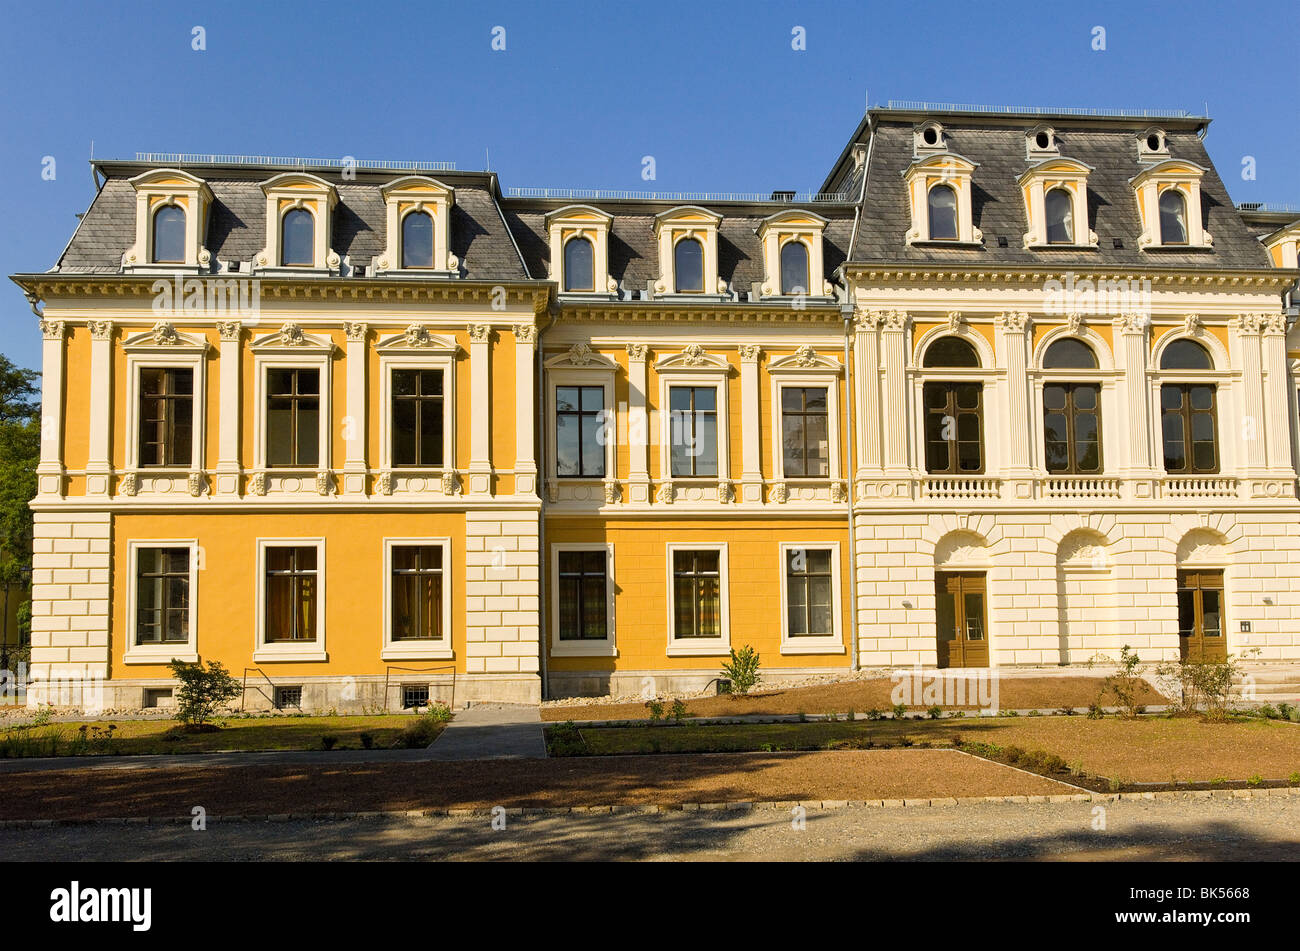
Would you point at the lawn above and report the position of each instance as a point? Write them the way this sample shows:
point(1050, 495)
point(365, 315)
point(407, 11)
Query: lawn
point(163, 736)
point(859, 696)
point(1146, 750)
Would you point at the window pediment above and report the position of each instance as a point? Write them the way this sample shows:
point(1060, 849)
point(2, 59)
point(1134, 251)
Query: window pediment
point(804, 360)
point(183, 202)
point(688, 271)
point(936, 216)
point(411, 251)
point(291, 338)
point(1053, 220)
point(693, 357)
point(287, 232)
point(165, 338)
point(581, 223)
point(418, 339)
point(775, 233)
point(581, 357)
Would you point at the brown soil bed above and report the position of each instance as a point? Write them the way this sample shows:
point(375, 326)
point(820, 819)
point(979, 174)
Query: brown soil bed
point(627, 780)
point(1014, 693)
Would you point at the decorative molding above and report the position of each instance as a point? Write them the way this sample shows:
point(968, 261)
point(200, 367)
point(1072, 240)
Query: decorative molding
point(1247, 323)
point(451, 483)
point(1192, 325)
point(612, 492)
point(868, 321)
point(1131, 323)
point(53, 329)
point(1075, 323)
point(955, 320)
point(805, 358)
point(525, 333)
point(129, 485)
point(100, 329)
point(694, 357)
point(324, 483)
point(291, 336)
point(581, 355)
point(355, 329)
point(664, 493)
point(229, 329)
point(897, 320)
point(726, 491)
point(779, 492)
point(637, 351)
point(749, 352)
point(839, 492)
point(196, 483)
point(479, 333)
point(1013, 321)
point(1275, 323)
point(257, 484)
point(164, 333)
point(384, 484)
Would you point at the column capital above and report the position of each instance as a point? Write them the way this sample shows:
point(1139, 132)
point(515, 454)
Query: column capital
point(1248, 324)
point(229, 330)
point(1134, 324)
point(637, 351)
point(100, 329)
point(479, 333)
point(749, 352)
point(525, 333)
point(356, 330)
point(1013, 322)
point(53, 329)
point(896, 320)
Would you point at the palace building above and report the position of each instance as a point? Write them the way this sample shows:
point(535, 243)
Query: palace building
point(1011, 389)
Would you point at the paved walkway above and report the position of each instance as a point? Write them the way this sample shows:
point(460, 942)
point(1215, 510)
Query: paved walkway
point(491, 731)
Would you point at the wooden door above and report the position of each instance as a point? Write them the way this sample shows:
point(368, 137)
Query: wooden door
point(962, 619)
point(1201, 637)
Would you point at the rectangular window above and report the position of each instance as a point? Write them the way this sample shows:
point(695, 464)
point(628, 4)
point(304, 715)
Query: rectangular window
point(805, 433)
point(810, 597)
point(418, 418)
point(697, 594)
point(417, 593)
point(579, 432)
point(693, 420)
point(415, 696)
point(293, 417)
point(954, 442)
point(166, 416)
point(162, 596)
point(1188, 427)
point(583, 595)
point(1072, 427)
point(291, 592)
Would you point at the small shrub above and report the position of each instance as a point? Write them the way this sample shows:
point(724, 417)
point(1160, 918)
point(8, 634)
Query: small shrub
point(934, 713)
point(367, 741)
point(201, 691)
point(1294, 778)
point(678, 709)
point(656, 709)
point(874, 714)
point(328, 741)
point(1256, 780)
point(1013, 754)
point(1052, 764)
point(1115, 784)
point(1217, 781)
point(742, 669)
point(421, 732)
point(438, 712)
point(906, 741)
point(900, 711)
point(1076, 767)
point(1095, 712)
point(1124, 684)
point(564, 739)
point(1065, 712)
point(1204, 688)
point(1008, 713)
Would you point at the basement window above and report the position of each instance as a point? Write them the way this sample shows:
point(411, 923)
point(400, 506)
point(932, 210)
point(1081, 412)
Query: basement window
point(415, 696)
point(288, 697)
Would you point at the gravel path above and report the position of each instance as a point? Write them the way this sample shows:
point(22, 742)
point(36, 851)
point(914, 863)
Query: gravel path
point(1197, 830)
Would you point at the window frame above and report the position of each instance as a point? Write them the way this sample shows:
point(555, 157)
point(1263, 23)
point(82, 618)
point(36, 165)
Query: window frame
point(264, 651)
point(691, 646)
point(832, 643)
point(783, 378)
point(794, 240)
point(1186, 412)
point(153, 233)
point(306, 359)
point(956, 213)
point(561, 376)
point(1160, 218)
point(394, 649)
point(678, 241)
point(134, 653)
point(564, 265)
point(1070, 224)
point(433, 240)
point(1070, 412)
point(389, 412)
point(606, 647)
point(280, 247)
point(954, 471)
point(151, 359)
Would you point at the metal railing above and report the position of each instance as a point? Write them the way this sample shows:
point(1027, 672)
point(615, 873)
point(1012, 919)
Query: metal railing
point(921, 105)
point(244, 693)
point(291, 161)
point(606, 194)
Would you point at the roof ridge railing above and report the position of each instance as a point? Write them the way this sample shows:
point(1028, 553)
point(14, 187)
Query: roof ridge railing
point(1282, 206)
point(919, 105)
point(291, 161)
point(605, 194)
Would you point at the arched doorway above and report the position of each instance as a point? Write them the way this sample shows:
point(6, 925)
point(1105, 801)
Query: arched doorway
point(961, 600)
point(1202, 561)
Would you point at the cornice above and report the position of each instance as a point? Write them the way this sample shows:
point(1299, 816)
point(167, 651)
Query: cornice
point(674, 311)
point(1263, 278)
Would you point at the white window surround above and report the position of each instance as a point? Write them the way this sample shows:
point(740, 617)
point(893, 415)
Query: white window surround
point(832, 643)
point(692, 367)
point(561, 376)
point(1222, 378)
point(794, 225)
point(153, 190)
point(988, 373)
point(688, 221)
point(584, 648)
point(582, 221)
point(285, 193)
point(700, 646)
point(1150, 184)
point(148, 351)
point(307, 651)
point(134, 653)
point(416, 193)
point(1107, 377)
point(941, 168)
point(806, 368)
point(440, 649)
point(1043, 177)
point(429, 353)
point(272, 352)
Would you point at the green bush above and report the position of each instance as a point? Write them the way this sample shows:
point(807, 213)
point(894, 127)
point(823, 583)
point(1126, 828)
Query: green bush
point(564, 739)
point(1204, 688)
point(742, 669)
point(934, 713)
point(367, 741)
point(1124, 684)
point(900, 711)
point(201, 690)
point(328, 742)
point(423, 730)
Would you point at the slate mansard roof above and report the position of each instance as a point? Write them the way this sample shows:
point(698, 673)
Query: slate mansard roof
point(996, 144)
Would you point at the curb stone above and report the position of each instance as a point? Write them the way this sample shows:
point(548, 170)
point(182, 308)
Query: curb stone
point(657, 808)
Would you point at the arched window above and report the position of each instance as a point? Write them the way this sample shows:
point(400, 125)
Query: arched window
point(951, 352)
point(1188, 419)
point(943, 213)
point(1173, 217)
point(688, 266)
point(169, 235)
point(1059, 207)
point(1069, 354)
point(297, 239)
point(1186, 355)
point(794, 268)
point(417, 240)
point(579, 265)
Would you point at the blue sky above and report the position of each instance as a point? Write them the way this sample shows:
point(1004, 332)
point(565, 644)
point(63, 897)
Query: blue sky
point(582, 91)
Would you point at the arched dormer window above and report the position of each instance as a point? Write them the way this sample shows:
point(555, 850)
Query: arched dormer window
point(417, 240)
point(688, 266)
point(579, 264)
point(297, 238)
point(1058, 205)
point(941, 202)
point(794, 268)
point(951, 352)
point(169, 235)
point(1173, 217)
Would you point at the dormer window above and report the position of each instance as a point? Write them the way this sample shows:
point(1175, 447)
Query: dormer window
point(1284, 245)
point(939, 188)
point(1058, 205)
point(794, 267)
point(417, 240)
point(941, 202)
point(171, 220)
point(298, 212)
point(688, 253)
point(1040, 143)
point(417, 215)
point(169, 235)
point(688, 266)
point(1173, 217)
point(1152, 145)
point(1169, 203)
point(297, 237)
point(579, 264)
point(929, 138)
